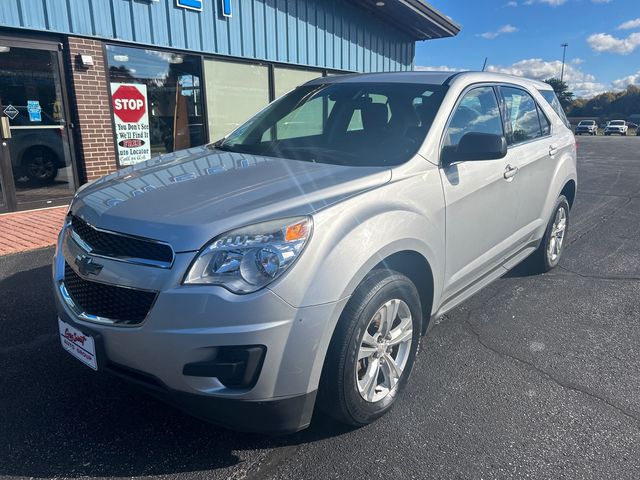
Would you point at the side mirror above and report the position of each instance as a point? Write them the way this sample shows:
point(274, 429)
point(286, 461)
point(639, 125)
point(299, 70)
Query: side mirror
point(478, 146)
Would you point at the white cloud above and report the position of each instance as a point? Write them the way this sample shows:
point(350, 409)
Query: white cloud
point(603, 42)
point(601, 1)
point(630, 24)
point(504, 29)
point(511, 4)
point(577, 61)
point(582, 84)
point(622, 83)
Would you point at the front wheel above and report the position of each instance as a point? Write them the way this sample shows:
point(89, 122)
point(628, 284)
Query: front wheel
point(40, 165)
point(552, 246)
point(372, 350)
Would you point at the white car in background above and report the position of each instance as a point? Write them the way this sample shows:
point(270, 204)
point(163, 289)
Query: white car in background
point(616, 127)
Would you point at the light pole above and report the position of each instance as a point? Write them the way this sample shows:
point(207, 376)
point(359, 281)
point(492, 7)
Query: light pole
point(564, 52)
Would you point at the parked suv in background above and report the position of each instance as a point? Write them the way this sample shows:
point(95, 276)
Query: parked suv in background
point(616, 127)
point(587, 126)
point(38, 151)
point(300, 259)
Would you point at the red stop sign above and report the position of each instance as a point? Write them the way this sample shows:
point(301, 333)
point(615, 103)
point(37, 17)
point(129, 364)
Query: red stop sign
point(128, 103)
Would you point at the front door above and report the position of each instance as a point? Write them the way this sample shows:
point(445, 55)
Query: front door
point(36, 167)
point(481, 201)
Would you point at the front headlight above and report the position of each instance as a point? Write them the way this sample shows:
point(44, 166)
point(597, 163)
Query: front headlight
point(249, 258)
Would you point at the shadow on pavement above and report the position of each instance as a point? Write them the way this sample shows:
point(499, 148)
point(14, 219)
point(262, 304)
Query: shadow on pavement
point(59, 418)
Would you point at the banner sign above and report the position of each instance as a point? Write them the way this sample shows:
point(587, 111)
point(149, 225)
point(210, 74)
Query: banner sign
point(131, 115)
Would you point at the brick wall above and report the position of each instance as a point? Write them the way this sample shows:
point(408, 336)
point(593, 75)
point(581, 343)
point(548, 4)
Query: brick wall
point(90, 98)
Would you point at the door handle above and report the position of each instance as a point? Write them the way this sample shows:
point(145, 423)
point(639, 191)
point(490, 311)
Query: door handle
point(510, 171)
point(552, 150)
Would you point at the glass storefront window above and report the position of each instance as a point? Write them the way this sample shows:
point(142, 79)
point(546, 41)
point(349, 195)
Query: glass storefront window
point(235, 92)
point(157, 102)
point(287, 79)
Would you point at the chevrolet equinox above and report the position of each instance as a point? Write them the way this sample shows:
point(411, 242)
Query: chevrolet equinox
point(297, 262)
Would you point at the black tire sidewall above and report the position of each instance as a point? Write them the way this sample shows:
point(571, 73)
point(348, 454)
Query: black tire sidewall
point(395, 286)
point(560, 203)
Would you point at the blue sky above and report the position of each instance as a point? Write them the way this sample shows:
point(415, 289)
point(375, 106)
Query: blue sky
point(524, 36)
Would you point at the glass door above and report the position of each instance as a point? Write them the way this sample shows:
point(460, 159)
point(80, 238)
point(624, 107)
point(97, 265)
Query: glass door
point(37, 168)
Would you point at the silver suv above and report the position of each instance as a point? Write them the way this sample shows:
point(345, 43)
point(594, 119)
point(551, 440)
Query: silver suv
point(299, 260)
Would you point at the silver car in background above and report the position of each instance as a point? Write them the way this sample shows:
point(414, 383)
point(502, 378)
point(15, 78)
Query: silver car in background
point(299, 261)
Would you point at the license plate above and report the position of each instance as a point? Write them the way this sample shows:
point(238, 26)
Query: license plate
point(78, 344)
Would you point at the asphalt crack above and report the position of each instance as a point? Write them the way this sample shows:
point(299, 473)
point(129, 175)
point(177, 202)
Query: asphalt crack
point(625, 278)
point(561, 383)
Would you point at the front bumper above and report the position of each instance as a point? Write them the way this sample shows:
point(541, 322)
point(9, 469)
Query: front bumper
point(189, 325)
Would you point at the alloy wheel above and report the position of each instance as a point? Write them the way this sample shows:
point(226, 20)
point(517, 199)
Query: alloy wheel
point(384, 350)
point(556, 238)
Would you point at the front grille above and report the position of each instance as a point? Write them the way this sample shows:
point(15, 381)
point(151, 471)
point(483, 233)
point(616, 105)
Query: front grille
point(121, 246)
point(122, 305)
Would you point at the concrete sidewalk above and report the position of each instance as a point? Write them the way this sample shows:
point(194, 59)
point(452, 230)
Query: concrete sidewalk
point(22, 231)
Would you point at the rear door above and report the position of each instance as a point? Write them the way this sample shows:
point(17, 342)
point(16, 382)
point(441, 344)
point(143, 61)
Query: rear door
point(481, 201)
point(533, 152)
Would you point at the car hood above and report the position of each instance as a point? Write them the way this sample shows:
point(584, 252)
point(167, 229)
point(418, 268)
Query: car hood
point(186, 198)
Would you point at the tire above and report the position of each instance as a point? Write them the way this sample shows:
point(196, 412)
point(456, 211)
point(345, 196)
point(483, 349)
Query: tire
point(344, 375)
point(40, 165)
point(543, 259)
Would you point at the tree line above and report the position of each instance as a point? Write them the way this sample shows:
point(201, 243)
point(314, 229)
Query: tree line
point(606, 106)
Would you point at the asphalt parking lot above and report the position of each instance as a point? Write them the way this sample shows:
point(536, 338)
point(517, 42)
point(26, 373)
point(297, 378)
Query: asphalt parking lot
point(535, 377)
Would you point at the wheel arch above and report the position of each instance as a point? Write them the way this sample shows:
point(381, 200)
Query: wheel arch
point(569, 191)
point(416, 267)
point(42, 147)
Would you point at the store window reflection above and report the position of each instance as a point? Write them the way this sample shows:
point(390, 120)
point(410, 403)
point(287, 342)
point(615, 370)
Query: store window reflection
point(169, 85)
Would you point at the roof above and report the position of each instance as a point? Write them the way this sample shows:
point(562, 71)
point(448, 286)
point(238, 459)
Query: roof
point(415, 17)
point(430, 78)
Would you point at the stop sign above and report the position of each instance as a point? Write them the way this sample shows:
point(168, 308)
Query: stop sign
point(129, 104)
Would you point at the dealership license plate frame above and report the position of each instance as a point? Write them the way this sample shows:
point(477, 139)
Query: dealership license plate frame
point(80, 344)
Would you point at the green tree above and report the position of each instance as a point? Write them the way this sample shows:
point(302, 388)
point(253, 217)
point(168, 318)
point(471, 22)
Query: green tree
point(562, 91)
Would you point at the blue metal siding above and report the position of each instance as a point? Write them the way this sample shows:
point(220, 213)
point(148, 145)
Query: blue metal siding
point(334, 34)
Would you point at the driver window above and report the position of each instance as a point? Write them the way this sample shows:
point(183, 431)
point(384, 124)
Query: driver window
point(478, 112)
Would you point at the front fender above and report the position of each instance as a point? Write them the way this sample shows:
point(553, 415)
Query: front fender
point(351, 238)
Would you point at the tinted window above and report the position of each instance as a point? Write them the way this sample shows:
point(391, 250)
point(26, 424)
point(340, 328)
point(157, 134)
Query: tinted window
point(522, 115)
point(358, 124)
point(550, 96)
point(544, 122)
point(477, 112)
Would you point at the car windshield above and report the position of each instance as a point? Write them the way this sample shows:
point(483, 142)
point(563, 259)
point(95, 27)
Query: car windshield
point(617, 122)
point(350, 123)
point(587, 122)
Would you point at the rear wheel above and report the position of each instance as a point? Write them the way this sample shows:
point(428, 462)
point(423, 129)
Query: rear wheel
point(372, 350)
point(552, 246)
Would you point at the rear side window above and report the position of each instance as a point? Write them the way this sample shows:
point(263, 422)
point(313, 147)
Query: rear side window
point(544, 122)
point(477, 112)
point(550, 96)
point(522, 119)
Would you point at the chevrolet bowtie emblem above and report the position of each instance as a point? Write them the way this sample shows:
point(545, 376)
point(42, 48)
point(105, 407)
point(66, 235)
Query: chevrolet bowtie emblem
point(86, 265)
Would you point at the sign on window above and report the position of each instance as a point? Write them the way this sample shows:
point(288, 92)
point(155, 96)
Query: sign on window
point(131, 115)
